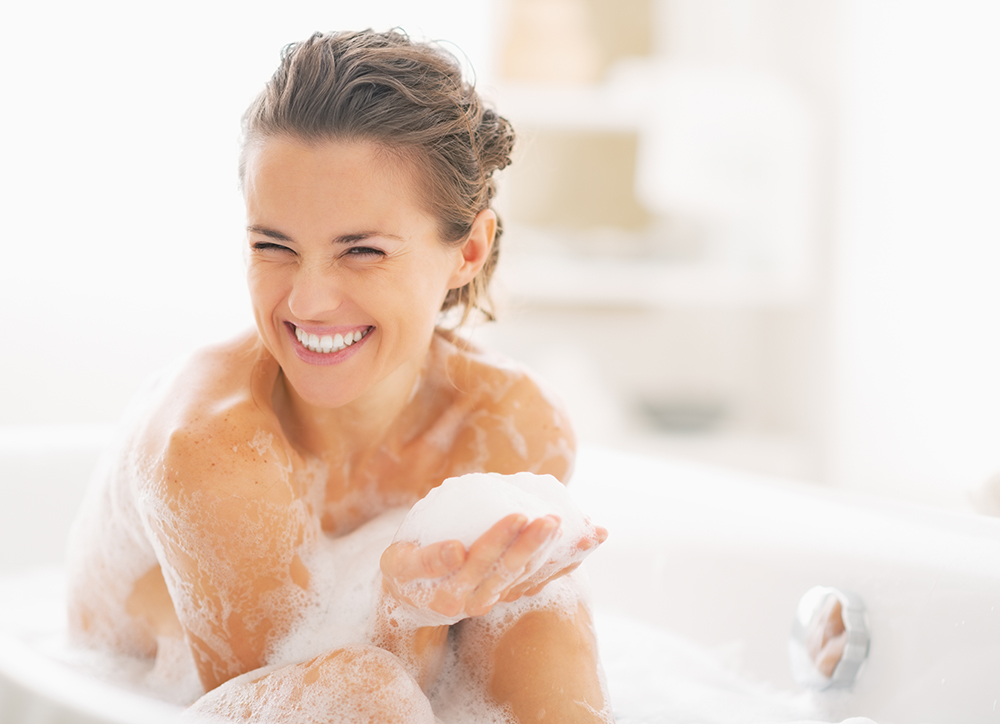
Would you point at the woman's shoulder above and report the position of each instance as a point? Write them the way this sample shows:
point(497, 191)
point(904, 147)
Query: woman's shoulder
point(520, 419)
point(214, 381)
point(211, 419)
point(491, 378)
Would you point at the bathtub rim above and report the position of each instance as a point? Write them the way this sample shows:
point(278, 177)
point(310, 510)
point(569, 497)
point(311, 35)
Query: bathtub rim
point(68, 690)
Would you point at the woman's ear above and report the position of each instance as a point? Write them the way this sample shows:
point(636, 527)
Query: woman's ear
point(476, 248)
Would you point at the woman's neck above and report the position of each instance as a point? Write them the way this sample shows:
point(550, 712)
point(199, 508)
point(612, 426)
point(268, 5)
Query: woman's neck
point(354, 430)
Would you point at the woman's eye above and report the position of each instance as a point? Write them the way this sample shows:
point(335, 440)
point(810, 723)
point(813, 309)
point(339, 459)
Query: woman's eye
point(365, 251)
point(268, 246)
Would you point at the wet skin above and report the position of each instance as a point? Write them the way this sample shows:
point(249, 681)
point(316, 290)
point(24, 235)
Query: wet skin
point(240, 464)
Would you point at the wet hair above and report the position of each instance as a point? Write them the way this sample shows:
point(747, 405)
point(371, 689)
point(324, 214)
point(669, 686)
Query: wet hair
point(411, 99)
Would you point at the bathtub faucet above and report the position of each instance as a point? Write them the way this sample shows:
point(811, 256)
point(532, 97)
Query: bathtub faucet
point(830, 639)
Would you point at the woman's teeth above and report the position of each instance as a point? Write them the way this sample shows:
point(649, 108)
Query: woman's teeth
point(326, 344)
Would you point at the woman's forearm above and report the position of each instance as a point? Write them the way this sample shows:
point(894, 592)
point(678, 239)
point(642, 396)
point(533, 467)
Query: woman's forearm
point(421, 649)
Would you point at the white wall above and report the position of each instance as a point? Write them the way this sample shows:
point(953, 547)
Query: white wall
point(121, 220)
point(917, 291)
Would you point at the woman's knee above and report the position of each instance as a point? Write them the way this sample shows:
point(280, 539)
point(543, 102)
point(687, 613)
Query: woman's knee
point(564, 684)
point(370, 680)
point(351, 684)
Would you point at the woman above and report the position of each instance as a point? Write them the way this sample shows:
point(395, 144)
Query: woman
point(367, 173)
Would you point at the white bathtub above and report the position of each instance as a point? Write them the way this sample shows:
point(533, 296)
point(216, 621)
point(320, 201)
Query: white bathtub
point(716, 557)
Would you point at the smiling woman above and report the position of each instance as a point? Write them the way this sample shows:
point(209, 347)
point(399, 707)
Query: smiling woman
point(216, 538)
point(337, 232)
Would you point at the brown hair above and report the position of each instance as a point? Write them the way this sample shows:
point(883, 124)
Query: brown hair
point(408, 97)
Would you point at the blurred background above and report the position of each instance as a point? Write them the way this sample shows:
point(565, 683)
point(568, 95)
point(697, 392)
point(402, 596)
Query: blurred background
point(757, 233)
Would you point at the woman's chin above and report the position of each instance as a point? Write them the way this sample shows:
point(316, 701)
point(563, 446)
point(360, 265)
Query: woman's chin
point(324, 395)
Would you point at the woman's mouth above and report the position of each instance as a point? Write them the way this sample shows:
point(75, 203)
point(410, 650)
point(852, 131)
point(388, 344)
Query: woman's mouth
point(327, 343)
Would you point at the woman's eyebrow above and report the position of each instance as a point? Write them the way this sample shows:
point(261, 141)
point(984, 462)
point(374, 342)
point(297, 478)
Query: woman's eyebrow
point(362, 236)
point(270, 233)
point(342, 239)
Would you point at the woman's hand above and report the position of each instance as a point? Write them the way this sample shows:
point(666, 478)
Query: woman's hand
point(505, 563)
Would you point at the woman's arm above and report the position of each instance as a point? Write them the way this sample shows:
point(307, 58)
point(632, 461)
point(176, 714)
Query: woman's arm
point(231, 527)
point(540, 658)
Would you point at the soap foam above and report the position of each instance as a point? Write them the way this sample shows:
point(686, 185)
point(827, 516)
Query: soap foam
point(465, 507)
point(344, 578)
point(108, 550)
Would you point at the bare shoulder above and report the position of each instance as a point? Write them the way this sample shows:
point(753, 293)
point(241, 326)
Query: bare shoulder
point(515, 420)
point(213, 429)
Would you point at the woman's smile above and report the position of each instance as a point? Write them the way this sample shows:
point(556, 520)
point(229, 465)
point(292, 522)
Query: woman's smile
point(327, 345)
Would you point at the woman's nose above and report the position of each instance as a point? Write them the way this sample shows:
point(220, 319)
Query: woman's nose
point(316, 293)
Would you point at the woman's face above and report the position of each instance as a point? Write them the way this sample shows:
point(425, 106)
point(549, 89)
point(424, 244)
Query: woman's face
point(345, 267)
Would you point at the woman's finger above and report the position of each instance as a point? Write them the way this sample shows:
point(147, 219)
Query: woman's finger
point(519, 561)
point(486, 552)
point(525, 555)
point(405, 562)
point(442, 559)
point(592, 541)
point(529, 545)
point(533, 586)
point(451, 596)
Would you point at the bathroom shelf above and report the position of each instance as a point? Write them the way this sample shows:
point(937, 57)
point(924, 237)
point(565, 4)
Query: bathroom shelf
point(567, 281)
point(599, 107)
point(669, 205)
